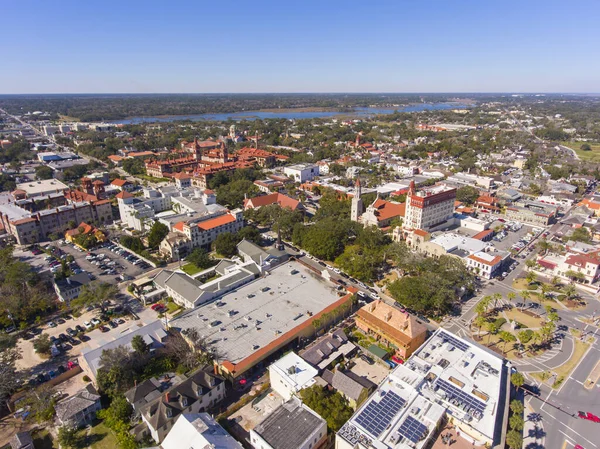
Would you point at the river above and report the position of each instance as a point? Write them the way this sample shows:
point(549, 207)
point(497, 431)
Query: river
point(290, 115)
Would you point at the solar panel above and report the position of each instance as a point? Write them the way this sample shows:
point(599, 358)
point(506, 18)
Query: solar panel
point(454, 341)
point(463, 400)
point(413, 429)
point(376, 416)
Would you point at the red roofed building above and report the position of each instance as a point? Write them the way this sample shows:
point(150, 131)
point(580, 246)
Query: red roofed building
point(122, 184)
point(381, 213)
point(587, 265)
point(273, 198)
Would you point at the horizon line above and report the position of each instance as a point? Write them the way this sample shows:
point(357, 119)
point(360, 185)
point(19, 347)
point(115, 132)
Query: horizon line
point(311, 93)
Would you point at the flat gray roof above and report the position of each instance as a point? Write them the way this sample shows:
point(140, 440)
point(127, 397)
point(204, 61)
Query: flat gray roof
point(259, 317)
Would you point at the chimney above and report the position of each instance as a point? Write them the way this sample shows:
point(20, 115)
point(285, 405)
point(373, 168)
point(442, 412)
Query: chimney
point(167, 397)
point(388, 316)
point(216, 369)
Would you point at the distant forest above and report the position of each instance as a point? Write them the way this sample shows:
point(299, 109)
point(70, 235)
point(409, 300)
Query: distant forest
point(92, 107)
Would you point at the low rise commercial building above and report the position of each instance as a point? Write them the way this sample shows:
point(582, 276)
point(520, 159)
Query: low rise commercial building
point(532, 212)
point(153, 335)
point(292, 425)
point(301, 172)
point(290, 374)
point(573, 265)
point(447, 379)
point(254, 323)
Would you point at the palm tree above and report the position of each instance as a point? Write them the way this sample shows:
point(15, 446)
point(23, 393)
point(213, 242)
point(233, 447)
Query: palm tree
point(526, 295)
point(511, 296)
point(543, 245)
point(531, 277)
point(496, 297)
point(506, 337)
point(479, 322)
point(545, 290)
point(530, 264)
point(555, 281)
point(570, 291)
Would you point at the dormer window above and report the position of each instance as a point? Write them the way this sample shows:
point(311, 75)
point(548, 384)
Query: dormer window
point(169, 413)
point(184, 401)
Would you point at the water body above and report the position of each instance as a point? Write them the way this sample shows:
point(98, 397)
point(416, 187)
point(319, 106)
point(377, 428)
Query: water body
point(290, 115)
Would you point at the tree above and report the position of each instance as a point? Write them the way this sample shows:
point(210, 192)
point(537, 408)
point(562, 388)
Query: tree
point(506, 337)
point(570, 291)
point(585, 147)
point(9, 378)
point(200, 258)
point(139, 345)
point(134, 166)
point(225, 244)
point(44, 172)
point(42, 344)
point(531, 277)
point(511, 296)
point(41, 403)
point(67, 437)
point(581, 235)
point(516, 407)
point(516, 422)
point(96, 293)
point(467, 195)
point(517, 380)
point(332, 407)
point(157, 234)
point(544, 246)
point(530, 264)
point(514, 439)
point(574, 275)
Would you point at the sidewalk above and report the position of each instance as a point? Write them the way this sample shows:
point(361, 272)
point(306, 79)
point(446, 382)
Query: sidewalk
point(533, 430)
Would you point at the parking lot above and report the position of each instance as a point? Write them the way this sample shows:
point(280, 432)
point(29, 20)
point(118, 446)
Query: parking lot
point(102, 264)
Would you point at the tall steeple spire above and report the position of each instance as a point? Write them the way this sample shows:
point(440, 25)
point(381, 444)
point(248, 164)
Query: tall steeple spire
point(357, 207)
point(358, 187)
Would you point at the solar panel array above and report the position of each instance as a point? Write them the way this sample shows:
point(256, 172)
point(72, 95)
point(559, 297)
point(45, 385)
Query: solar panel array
point(376, 416)
point(413, 429)
point(455, 341)
point(456, 396)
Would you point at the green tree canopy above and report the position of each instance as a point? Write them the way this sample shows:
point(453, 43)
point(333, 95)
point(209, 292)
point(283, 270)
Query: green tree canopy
point(200, 258)
point(157, 234)
point(332, 407)
point(467, 195)
point(225, 244)
point(44, 172)
point(95, 293)
point(139, 345)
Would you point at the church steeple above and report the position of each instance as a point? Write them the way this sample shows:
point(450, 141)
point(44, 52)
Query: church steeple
point(357, 207)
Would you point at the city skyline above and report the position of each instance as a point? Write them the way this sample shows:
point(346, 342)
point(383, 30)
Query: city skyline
point(260, 47)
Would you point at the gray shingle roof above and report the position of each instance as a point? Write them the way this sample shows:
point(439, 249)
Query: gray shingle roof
point(289, 426)
point(324, 348)
point(84, 398)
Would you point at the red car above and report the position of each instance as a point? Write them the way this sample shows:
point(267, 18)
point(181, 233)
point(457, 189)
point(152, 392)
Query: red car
point(397, 360)
point(588, 416)
point(577, 446)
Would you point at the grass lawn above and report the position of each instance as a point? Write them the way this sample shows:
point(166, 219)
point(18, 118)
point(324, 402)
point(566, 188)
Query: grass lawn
point(593, 155)
point(172, 307)
point(100, 437)
point(191, 269)
point(526, 320)
point(521, 284)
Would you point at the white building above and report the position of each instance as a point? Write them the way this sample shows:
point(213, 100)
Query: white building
point(40, 188)
point(472, 180)
point(301, 172)
point(198, 431)
point(447, 378)
point(486, 265)
point(290, 374)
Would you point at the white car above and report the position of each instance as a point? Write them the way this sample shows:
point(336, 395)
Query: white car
point(87, 324)
point(337, 270)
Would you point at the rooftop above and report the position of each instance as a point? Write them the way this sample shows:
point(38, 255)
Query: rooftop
point(34, 188)
point(290, 426)
point(198, 431)
point(295, 370)
point(447, 375)
point(256, 314)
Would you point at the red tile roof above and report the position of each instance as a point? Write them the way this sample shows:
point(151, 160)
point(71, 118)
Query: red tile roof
point(387, 209)
point(273, 198)
point(483, 234)
point(120, 182)
point(123, 195)
point(216, 222)
point(179, 226)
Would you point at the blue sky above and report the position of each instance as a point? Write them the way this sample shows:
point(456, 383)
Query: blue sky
point(151, 46)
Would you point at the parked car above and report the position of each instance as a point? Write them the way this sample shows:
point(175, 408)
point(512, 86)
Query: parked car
point(88, 325)
point(51, 324)
point(366, 359)
point(104, 329)
point(95, 321)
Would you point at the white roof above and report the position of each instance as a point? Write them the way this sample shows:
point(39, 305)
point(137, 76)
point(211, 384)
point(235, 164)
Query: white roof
point(198, 431)
point(40, 187)
point(447, 375)
point(450, 241)
point(295, 371)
